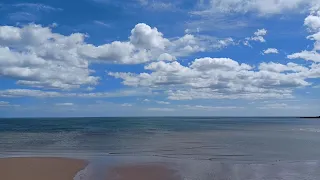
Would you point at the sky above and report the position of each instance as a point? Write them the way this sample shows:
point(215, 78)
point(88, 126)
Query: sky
point(159, 58)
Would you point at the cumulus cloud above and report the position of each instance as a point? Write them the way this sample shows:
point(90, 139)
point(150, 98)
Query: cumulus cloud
point(35, 56)
point(219, 78)
point(258, 36)
point(312, 22)
point(148, 44)
point(277, 67)
point(306, 55)
point(271, 51)
point(143, 36)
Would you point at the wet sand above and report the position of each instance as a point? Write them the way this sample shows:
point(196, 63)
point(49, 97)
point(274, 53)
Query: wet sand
point(40, 168)
point(142, 172)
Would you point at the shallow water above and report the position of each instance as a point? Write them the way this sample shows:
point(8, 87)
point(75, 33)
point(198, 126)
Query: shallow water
point(200, 148)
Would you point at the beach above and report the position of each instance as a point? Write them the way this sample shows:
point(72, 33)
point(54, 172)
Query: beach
point(43, 168)
point(40, 168)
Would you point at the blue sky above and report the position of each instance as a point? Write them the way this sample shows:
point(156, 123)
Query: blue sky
point(159, 58)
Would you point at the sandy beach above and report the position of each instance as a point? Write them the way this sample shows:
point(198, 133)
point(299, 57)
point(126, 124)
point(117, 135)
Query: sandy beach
point(40, 168)
point(32, 168)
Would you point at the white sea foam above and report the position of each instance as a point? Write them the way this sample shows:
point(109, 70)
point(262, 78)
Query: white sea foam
point(85, 174)
point(316, 130)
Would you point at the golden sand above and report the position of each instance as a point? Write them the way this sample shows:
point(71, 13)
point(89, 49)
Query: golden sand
point(40, 168)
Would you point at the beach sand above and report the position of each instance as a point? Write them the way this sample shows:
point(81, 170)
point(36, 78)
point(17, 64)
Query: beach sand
point(40, 168)
point(142, 172)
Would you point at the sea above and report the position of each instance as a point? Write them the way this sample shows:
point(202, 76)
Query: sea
point(200, 148)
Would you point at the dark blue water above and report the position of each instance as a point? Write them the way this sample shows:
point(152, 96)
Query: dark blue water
point(277, 146)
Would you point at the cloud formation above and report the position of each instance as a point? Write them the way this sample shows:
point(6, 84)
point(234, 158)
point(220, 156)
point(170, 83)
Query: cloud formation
point(5, 104)
point(64, 104)
point(261, 7)
point(16, 93)
point(222, 78)
point(258, 36)
point(312, 22)
point(271, 51)
point(37, 57)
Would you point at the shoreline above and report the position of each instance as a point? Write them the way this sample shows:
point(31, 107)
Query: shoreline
point(61, 168)
point(40, 168)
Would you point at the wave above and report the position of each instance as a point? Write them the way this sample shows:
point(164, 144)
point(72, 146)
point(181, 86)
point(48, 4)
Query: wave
point(85, 174)
point(315, 130)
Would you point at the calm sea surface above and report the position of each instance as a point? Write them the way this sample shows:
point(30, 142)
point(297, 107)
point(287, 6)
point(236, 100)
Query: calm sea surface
point(234, 148)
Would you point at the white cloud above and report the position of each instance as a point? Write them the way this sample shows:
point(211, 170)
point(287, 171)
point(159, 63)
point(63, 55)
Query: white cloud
point(209, 108)
point(126, 105)
point(163, 102)
point(146, 100)
point(13, 93)
point(226, 42)
point(35, 56)
point(262, 7)
point(161, 109)
point(53, 25)
point(277, 67)
point(4, 104)
point(306, 55)
point(258, 36)
point(28, 93)
point(143, 36)
point(166, 57)
point(271, 51)
point(148, 44)
point(279, 106)
point(64, 104)
point(313, 24)
point(157, 5)
point(23, 16)
point(218, 78)
point(37, 6)
point(260, 32)
point(90, 88)
point(101, 23)
point(256, 94)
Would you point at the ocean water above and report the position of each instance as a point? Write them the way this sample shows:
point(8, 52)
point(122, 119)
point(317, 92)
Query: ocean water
point(218, 148)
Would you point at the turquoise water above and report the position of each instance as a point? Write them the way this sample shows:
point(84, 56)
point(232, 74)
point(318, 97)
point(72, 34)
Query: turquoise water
point(245, 148)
